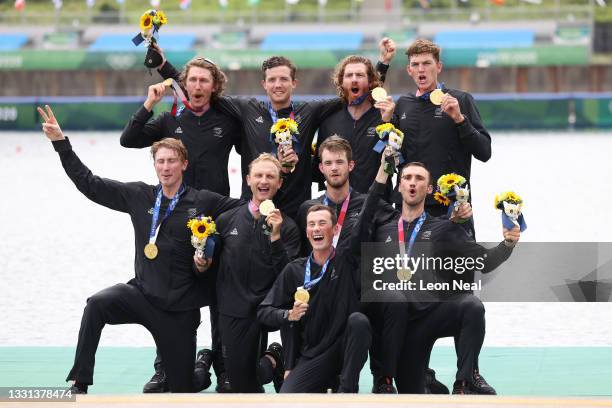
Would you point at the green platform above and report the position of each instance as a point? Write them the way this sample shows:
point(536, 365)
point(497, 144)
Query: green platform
point(535, 371)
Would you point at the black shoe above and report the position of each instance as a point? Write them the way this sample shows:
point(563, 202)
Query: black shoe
point(223, 384)
point(201, 372)
point(461, 387)
point(78, 388)
point(383, 385)
point(480, 386)
point(433, 386)
point(158, 383)
point(276, 351)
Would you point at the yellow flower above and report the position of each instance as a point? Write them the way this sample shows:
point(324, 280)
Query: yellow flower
point(399, 133)
point(441, 198)
point(202, 227)
point(385, 127)
point(507, 196)
point(283, 124)
point(514, 198)
point(146, 21)
point(162, 17)
point(447, 181)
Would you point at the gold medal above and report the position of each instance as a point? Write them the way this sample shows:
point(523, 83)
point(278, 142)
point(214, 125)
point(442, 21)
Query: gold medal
point(404, 274)
point(436, 96)
point(151, 251)
point(302, 295)
point(167, 82)
point(266, 208)
point(379, 94)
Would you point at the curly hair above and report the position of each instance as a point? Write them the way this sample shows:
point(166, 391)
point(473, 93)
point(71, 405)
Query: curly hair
point(373, 76)
point(422, 46)
point(218, 76)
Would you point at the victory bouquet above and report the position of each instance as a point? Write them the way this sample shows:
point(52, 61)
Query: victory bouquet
point(390, 139)
point(150, 23)
point(511, 205)
point(452, 188)
point(283, 133)
point(202, 235)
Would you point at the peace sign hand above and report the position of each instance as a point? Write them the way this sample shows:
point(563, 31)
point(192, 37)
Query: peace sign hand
point(50, 126)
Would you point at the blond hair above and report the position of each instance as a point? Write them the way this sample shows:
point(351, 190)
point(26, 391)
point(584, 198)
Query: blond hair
point(172, 144)
point(266, 157)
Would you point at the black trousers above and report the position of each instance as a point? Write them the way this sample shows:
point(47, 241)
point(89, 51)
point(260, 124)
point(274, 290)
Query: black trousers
point(388, 322)
point(462, 317)
point(345, 357)
point(244, 342)
point(215, 335)
point(173, 332)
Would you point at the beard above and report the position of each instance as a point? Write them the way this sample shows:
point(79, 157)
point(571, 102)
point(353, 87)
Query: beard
point(337, 183)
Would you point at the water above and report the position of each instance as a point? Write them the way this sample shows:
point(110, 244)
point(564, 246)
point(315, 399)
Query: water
point(57, 247)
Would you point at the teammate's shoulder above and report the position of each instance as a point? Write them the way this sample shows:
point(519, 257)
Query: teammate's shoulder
point(288, 222)
point(298, 262)
point(142, 186)
point(357, 196)
point(229, 214)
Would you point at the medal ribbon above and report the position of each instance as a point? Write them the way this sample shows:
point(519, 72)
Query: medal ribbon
point(307, 282)
point(425, 96)
point(154, 226)
point(415, 231)
point(342, 215)
point(254, 208)
point(360, 100)
point(178, 93)
point(274, 114)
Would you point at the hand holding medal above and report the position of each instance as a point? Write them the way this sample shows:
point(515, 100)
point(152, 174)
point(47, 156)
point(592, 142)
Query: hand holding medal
point(302, 293)
point(436, 96)
point(273, 216)
point(383, 102)
point(298, 311)
point(266, 207)
point(379, 94)
point(448, 103)
point(201, 230)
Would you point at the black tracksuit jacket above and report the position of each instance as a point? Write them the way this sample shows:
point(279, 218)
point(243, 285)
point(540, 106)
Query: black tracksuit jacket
point(169, 281)
point(249, 262)
point(332, 299)
point(208, 138)
point(433, 138)
point(256, 123)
